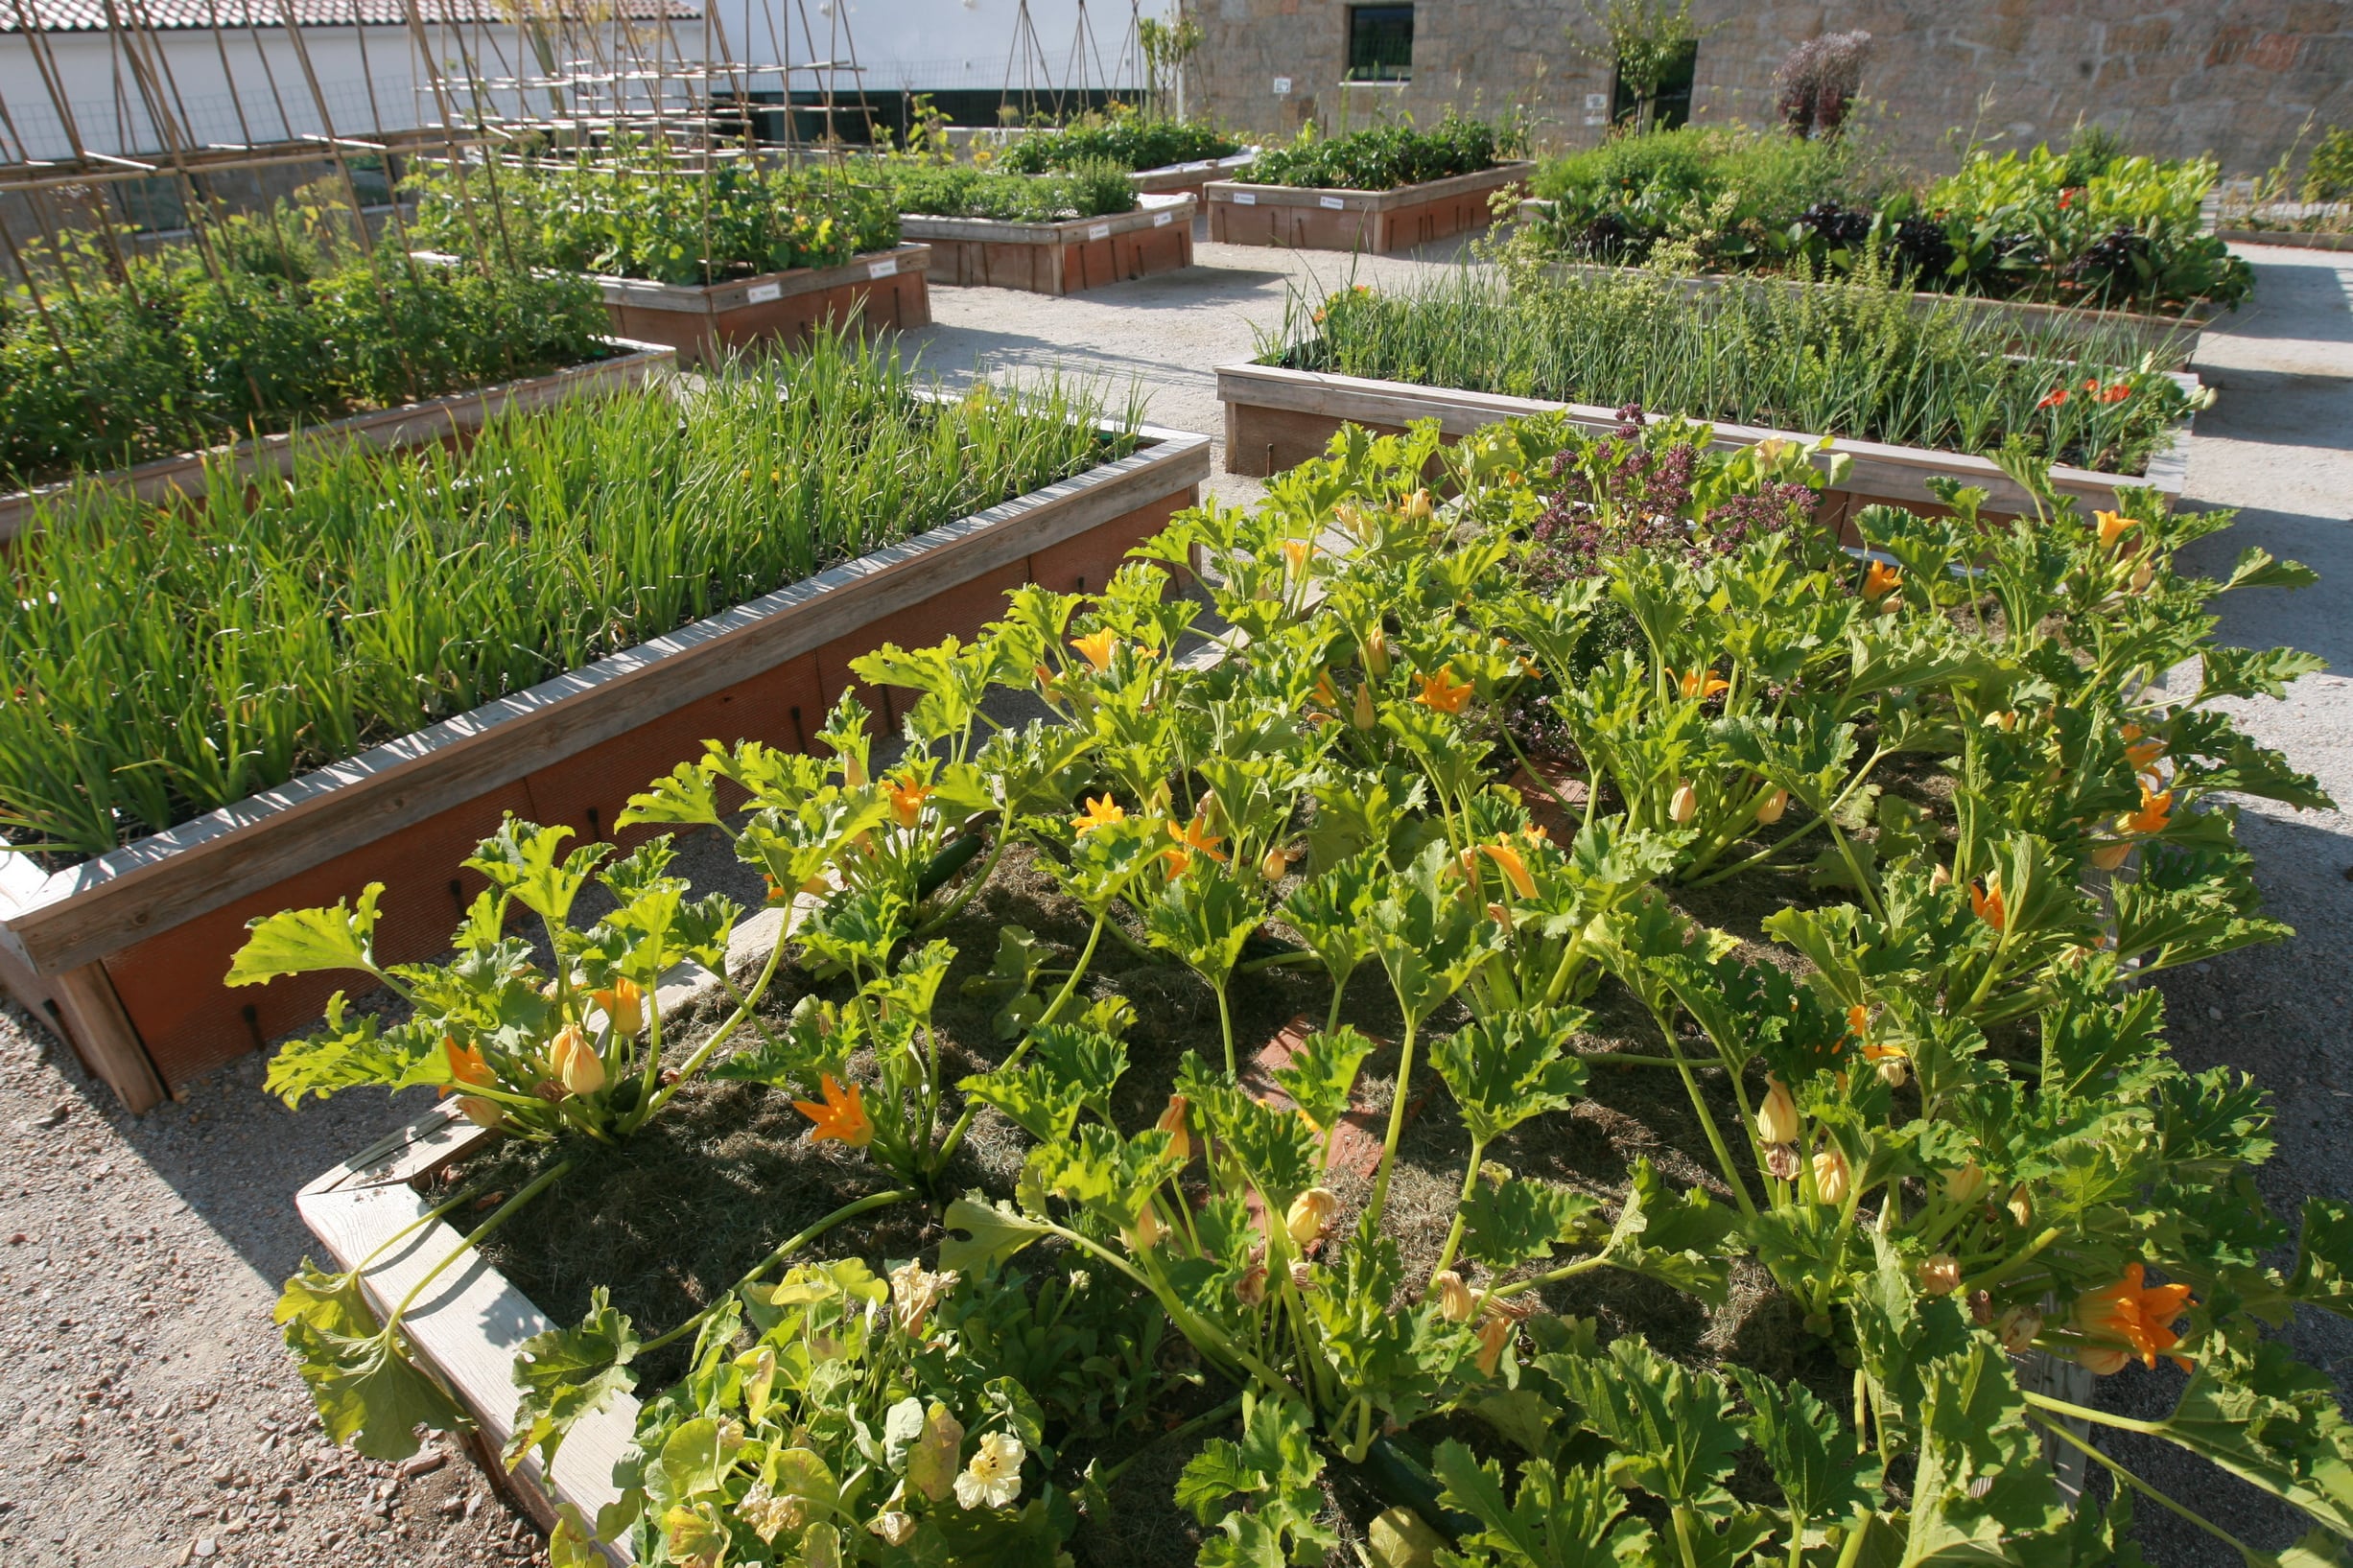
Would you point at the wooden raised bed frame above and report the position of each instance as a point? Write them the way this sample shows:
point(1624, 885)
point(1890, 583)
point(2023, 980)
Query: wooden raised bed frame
point(1061, 258)
point(886, 290)
point(1307, 218)
point(125, 952)
point(1188, 178)
point(1277, 418)
point(412, 424)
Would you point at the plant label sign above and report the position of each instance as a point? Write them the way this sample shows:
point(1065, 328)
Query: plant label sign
point(1245, 199)
point(760, 293)
point(1332, 202)
point(1283, 86)
point(887, 266)
point(1161, 220)
point(1098, 231)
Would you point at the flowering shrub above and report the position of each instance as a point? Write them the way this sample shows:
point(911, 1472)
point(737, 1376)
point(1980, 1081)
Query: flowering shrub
point(1944, 1124)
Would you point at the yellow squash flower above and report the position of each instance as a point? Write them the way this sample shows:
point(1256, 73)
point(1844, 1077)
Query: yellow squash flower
point(1097, 647)
point(1832, 1175)
point(2112, 526)
point(1941, 1274)
point(623, 1003)
point(907, 798)
point(2156, 811)
point(1101, 813)
point(1684, 804)
point(1514, 869)
point(1172, 1122)
point(1700, 684)
point(576, 1061)
point(1309, 1212)
point(1454, 1299)
point(2133, 1322)
point(1442, 692)
point(1777, 1117)
point(1769, 810)
point(1363, 715)
point(841, 1115)
point(1881, 580)
point(1986, 898)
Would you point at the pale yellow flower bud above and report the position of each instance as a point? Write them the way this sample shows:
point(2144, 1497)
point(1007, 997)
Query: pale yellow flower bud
point(1777, 1117)
point(1831, 1175)
point(1310, 1211)
point(1454, 1299)
point(1941, 1274)
point(1684, 804)
point(1965, 1184)
point(1769, 810)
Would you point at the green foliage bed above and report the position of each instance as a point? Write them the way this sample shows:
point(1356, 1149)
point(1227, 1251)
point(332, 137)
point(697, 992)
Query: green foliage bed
point(1929, 1121)
point(294, 324)
point(948, 190)
point(638, 209)
point(164, 660)
point(1384, 157)
point(2091, 225)
point(1121, 136)
point(1853, 358)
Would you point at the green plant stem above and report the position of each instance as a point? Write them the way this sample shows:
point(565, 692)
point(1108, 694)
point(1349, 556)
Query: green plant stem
point(2060, 1430)
point(1707, 1118)
point(504, 1212)
point(2098, 1417)
point(965, 895)
point(703, 1053)
point(1258, 966)
point(1570, 1271)
point(1176, 1433)
point(1054, 1010)
point(1454, 1233)
point(784, 1249)
point(2020, 1260)
point(1759, 857)
point(1339, 989)
point(1397, 1123)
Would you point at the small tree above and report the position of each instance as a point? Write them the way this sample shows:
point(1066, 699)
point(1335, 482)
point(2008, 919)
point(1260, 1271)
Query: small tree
point(1819, 81)
point(1643, 40)
point(1164, 47)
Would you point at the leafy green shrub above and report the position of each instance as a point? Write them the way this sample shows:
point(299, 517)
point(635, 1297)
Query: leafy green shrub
point(1739, 189)
point(299, 326)
point(639, 210)
point(1384, 157)
point(2091, 225)
point(1093, 190)
point(1120, 136)
point(171, 660)
point(1853, 359)
point(2329, 175)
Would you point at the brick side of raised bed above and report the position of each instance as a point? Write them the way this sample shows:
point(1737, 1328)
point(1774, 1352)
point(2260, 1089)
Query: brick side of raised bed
point(170, 984)
point(874, 293)
point(1375, 221)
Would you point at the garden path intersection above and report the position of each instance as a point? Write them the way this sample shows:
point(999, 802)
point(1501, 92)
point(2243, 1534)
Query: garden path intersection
point(156, 1419)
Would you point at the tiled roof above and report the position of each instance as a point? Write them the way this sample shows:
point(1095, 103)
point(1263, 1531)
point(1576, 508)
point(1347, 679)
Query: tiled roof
point(90, 16)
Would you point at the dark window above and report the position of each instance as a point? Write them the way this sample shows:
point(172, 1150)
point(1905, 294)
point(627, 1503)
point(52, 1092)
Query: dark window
point(1380, 43)
point(151, 206)
point(1673, 106)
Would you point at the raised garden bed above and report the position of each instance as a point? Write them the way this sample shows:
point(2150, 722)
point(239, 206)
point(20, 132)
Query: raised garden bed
point(1311, 218)
point(1277, 418)
point(1061, 258)
point(412, 424)
point(2286, 237)
point(2130, 332)
point(127, 951)
point(1623, 1287)
point(1189, 178)
point(883, 291)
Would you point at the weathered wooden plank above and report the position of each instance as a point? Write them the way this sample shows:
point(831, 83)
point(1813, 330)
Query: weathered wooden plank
point(412, 424)
point(1896, 473)
point(82, 913)
point(1159, 211)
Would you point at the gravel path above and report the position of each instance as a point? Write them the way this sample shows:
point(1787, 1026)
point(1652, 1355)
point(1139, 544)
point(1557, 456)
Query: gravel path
point(159, 1422)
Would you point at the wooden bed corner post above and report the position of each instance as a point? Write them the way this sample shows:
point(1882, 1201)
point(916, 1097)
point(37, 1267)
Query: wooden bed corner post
point(101, 1034)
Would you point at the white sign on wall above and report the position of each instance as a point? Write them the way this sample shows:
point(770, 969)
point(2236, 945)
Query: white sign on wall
point(1283, 86)
point(1595, 104)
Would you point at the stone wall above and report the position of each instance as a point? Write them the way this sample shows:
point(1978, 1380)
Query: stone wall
point(2234, 77)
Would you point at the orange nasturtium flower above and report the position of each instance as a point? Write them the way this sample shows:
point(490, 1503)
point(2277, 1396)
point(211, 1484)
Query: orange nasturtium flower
point(2134, 1321)
point(841, 1114)
point(1191, 839)
point(1881, 580)
point(1442, 692)
point(1514, 869)
point(907, 798)
point(2113, 525)
point(2156, 811)
point(2053, 398)
point(1100, 812)
point(1985, 898)
point(1702, 684)
point(2116, 392)
point(1097, 648)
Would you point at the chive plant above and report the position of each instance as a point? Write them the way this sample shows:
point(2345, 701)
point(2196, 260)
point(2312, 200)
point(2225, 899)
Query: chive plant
point(1855, 358)
point(166, 660)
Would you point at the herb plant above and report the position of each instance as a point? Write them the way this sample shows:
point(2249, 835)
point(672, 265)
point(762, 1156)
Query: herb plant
point(1119, 135)
point(1854, 358)
point(1092, 189)
point(1384, 157)
point(642, 209)
point(294, 324)
point(1938, 1121)
point(168, 660)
